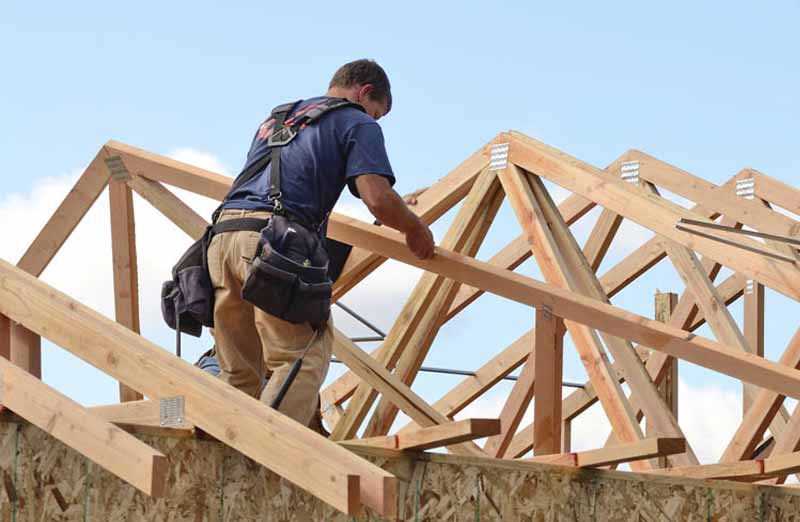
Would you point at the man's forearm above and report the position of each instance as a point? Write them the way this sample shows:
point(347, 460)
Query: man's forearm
point(393, 212)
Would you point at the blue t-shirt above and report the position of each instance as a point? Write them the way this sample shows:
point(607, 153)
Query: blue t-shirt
point(315, 167)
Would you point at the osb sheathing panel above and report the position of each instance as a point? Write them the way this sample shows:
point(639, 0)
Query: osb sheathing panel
point(208, 482)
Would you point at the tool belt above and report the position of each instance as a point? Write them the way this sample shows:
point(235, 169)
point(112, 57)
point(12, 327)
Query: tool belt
point(288, 276)
point(187, 300)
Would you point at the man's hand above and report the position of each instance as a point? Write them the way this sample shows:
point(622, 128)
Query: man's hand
point(390, 209)
point(411, 199)
point(420, 241)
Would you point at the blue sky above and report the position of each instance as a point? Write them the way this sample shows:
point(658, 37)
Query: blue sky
point(710, 87)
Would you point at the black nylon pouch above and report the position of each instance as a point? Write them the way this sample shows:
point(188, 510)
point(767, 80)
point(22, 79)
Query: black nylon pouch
point(291, 284)
point(188, 299)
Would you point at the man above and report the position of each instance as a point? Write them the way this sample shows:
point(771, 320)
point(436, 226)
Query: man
point(344, 147)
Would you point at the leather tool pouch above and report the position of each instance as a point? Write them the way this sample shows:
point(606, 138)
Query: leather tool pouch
point(288, 277)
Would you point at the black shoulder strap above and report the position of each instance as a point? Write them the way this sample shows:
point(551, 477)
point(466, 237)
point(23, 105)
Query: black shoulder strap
point(283, 131)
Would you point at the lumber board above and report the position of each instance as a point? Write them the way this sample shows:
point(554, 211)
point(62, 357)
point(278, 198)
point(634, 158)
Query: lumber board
point(763, 410)
point(548, 365)
point(169, 205)
point(653, 212)
point(745, 470)
point(105, 444)
point(634, 451)
point(753, 331)
point(776, 192)
point(550, 255)
point(66, 217)
point(379, 378)
point(644, 393)
point(145, 412)
point(434, 436)
point(581, 399)
point(26, 349)
point(788, 442)
point(5, 337)
point(750, 212)
point(716, 313)
point(125, 266)
point(466, 234)
point(277, 442)
point(667, 339)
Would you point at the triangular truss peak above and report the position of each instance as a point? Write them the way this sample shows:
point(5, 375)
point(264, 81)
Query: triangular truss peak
point(733, 225)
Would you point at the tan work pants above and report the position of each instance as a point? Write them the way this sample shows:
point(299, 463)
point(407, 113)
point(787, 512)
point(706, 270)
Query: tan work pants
point(250, 342)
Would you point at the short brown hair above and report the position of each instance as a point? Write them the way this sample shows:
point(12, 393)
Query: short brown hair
point(363, 72)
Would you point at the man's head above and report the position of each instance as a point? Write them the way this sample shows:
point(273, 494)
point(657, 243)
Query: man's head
point(363, 82)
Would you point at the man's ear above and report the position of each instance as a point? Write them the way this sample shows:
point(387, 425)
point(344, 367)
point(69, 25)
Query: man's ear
point(365, 91)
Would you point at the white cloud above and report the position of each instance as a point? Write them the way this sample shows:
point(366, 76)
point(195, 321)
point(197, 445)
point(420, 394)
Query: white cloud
point(200, 159)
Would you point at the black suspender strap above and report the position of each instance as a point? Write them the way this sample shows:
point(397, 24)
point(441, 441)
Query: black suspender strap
point(275, 169)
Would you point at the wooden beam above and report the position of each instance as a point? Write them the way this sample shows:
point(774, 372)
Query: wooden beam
point(549, 363)
point(142, 412)
point(788, 442)
point(612, 455)
point(753, 331)
point(26, 349)
point(716, 313)
point(581, 399)
point(126, 273)
point(664, 338)
point(541, 232)
point(433, 437)
point(419, 322)
point(644, 393)
point(515, 406)
point(170, 205)
point(777, 192)
point(296, 453)
point(652, 212)
point(66, 217)
point(665, 303)
point(750, 212)
point(745, 470)
point(110, 447)
point(379, 378)
point(599, 241)
point(5, 337)
point(758, 417)
point(465, 236)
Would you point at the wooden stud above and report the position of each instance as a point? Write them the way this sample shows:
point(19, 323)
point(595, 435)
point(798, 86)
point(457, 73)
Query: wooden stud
point(435, 436)
point(613, 455)
point(758, 417)
point(327, 471)
point(379, 378)
point(120, 453)
point(170, 205)
point(665, 303)
point(549, 359)
point(753, 331)
point(419, 319)
point(5, 337)
point(126, 275)
point(26, 349)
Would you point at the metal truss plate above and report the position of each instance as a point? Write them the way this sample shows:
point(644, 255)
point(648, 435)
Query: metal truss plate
point(116, 168)
point(746, 188)
point(499, 157)
point(629, 172)
point(172, 411)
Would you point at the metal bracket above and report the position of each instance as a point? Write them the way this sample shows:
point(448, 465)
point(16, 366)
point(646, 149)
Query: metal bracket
point(746, 188)
point(172, 411)
point(499, 157)
point(547, 312)
point(117, 169)
point(749, 286)
point(629, 172)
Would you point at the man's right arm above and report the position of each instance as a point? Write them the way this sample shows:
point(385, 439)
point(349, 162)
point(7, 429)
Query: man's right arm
point(390, 209)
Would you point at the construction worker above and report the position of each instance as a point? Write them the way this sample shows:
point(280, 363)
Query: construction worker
point(344, 147)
